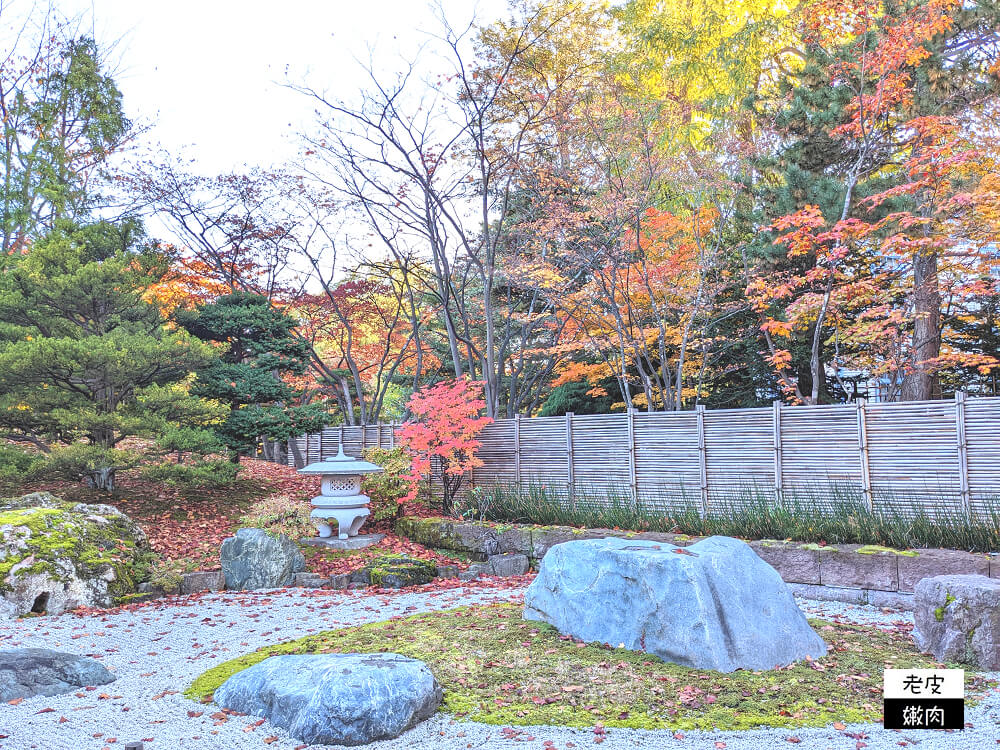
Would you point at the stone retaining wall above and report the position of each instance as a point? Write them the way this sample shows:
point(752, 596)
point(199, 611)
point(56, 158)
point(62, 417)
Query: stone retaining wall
point(851, 566)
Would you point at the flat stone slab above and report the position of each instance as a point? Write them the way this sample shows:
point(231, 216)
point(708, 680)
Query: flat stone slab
point(203, 580)
point(890, 599)
point(843, 565)
point(335, 699)
point(398, 571)
point(929, 563)
point(355, 542)
point(957, 618)
point(712, 605)
point(794, 562)
point(26, 672)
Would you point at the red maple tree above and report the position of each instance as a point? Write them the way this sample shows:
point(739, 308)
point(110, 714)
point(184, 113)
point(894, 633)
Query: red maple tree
point(445, 431)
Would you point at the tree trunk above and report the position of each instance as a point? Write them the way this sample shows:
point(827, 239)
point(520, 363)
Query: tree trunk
point(300, 460)
point(102, 479)
point(347, 402)
point(921, 382)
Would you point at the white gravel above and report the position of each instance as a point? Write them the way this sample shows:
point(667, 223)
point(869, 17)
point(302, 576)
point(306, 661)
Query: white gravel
point(158, 649)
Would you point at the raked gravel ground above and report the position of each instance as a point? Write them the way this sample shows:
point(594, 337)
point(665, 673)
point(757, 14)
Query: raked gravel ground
point(156, 651)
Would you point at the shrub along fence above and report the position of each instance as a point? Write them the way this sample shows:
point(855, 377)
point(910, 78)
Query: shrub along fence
point(935, 457)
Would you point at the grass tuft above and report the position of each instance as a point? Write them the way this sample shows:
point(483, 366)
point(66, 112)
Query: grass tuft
point(833, 515)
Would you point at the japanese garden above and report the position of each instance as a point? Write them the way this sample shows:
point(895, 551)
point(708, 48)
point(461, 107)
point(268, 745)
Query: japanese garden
point(559, 373)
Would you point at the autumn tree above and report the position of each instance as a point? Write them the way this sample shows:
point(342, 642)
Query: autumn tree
point(235, 229)
point(440, 171)
point(443, 434)
point(874, 234)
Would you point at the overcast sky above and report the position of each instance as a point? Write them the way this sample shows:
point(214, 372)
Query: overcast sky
point(208, 73)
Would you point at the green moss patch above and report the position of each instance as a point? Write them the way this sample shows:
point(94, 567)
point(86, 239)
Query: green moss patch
point(874, 549)
point(499, 669)
point(397, 571)
point(939, 611)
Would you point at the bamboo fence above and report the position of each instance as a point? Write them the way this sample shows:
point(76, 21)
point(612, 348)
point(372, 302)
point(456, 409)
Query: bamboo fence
point(943, 456)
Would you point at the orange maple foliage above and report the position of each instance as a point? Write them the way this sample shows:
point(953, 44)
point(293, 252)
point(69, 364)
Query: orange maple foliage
point(445, 432)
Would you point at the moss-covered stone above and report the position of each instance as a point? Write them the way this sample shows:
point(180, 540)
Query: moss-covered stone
point(398, 571)
point(499, 669)
point(57, 555)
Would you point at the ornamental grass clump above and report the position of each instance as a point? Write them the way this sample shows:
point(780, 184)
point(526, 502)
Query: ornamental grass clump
point(831, 514)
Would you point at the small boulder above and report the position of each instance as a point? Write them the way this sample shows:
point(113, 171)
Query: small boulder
point(26, 672)
point(255, 559)
point(474, 571)
point(398, 571)
point(712, 605)
point(957, 618)
point(202, 580)
point(311, 580)
point(335, 699)
point(447, 571)
point(510, 564)
point(56, 556)
point(339, 581)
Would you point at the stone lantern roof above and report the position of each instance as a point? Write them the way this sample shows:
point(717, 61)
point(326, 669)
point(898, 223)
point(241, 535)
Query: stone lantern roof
point(341, 464)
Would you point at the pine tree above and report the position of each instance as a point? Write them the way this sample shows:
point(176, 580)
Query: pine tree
point(81, 346)
point(259, 347)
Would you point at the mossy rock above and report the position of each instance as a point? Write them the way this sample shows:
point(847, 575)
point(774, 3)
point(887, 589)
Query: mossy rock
point(398, 571)
point(430, 532)
point(57, 555)
point(498, 668)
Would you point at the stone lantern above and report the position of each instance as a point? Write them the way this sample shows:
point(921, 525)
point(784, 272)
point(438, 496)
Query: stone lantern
point(340, 495)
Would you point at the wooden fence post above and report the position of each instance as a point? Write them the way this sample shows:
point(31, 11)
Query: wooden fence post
point(699, 411)
point(517, 449)
point(777, 451)
point(866, 473)
point(569, 460)
point(631, 456)
point(392, 436)
point(963, 453)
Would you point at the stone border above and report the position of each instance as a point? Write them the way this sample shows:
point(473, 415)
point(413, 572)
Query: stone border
point(864, 568)
point(890, 599)
point(502, 565)
point(850, 573)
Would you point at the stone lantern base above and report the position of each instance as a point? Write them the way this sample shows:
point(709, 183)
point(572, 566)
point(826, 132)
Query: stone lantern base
point(348, 518)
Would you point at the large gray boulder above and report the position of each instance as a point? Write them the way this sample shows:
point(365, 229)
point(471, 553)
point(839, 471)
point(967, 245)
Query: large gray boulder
point(255, 559)
point(335, 699)
point(26, 672)
point(56, 555)
point(713, 605)
point(957, 618)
